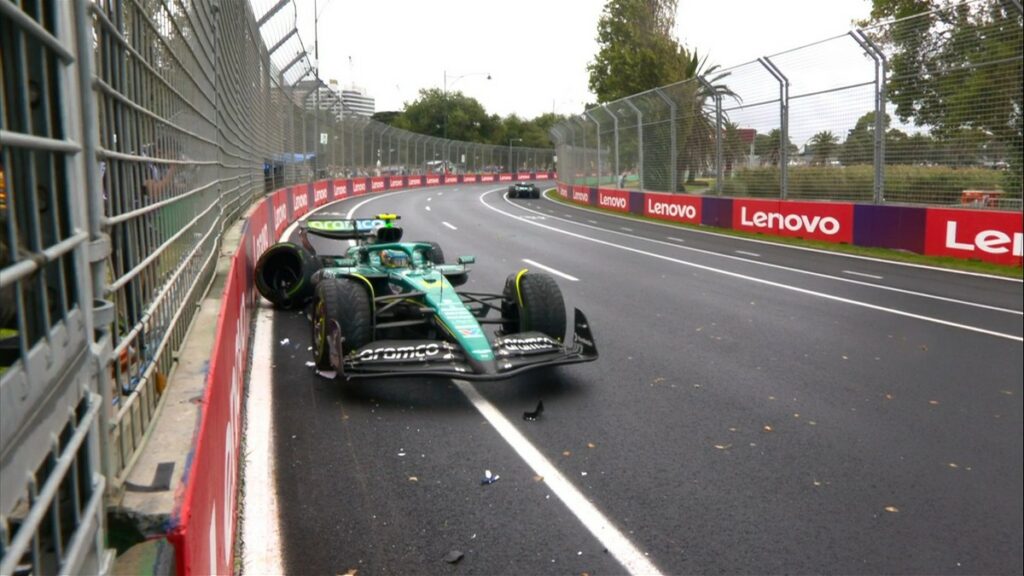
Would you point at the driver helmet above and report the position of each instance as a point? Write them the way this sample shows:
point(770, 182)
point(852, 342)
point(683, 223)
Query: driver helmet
point(394, 258)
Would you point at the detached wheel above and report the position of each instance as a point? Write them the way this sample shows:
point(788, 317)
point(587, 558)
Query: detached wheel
point(284, 275)
point(346, 302)
point(533, 302)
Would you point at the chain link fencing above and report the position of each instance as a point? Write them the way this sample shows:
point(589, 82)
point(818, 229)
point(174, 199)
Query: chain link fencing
point(133, 133)
point(922, 110)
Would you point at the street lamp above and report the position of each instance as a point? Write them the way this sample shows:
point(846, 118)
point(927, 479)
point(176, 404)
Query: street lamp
point(510, 141)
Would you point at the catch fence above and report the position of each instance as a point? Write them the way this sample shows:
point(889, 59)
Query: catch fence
point(133, 133)
point(921, 110)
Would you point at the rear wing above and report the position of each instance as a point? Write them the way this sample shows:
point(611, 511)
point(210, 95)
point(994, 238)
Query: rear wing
point(344, 228)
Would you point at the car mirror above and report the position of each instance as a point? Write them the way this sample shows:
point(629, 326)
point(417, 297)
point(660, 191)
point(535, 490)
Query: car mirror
point(467, 260)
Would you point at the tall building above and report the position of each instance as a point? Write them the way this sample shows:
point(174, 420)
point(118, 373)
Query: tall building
point(357, 102)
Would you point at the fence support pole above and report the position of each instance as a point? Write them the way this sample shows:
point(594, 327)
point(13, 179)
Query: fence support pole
point(639, 143)
point(673, 179)
point(783, 124)
point(876, 54)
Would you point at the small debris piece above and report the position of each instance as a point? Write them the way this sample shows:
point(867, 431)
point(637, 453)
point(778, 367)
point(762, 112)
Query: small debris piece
point(591, 445)
point(566, 453)
point(933, 402)
point(891, 509)
point(723, 446)
point(285, 342)
point(532, 416)
point(351, 572)
point(488, 478)
point(538, 478)
point(413, 479)
point(453, 557)
point(310, 364)
point(767, 428)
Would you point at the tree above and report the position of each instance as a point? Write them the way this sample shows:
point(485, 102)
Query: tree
point(769, 147)
point(466, 118)
point(958, 67)
point(823, 146)
point(636, 50)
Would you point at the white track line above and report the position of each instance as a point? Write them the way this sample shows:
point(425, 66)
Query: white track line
point(759, 280)
point(672, 238)
point(745, 253)
point(261, 527)
point(449, 225)
point(852, 273)
point(428, 208)
point(631, 558)
point(552, 270)
point(781, 267)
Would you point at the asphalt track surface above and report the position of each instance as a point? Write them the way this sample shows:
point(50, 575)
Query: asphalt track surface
point(756, 409)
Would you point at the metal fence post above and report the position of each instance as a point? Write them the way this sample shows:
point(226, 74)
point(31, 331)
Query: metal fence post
point(783, 124)
point(639, 143)
point(876, 54)
point(673, 152)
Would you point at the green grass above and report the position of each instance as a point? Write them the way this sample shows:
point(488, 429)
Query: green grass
point(976, 266)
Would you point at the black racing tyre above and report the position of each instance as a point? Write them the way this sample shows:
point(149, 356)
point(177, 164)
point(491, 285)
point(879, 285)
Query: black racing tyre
point(284, 275)
point(535, 304)
point(457, 280)
point(348, 303)
point(435, 254)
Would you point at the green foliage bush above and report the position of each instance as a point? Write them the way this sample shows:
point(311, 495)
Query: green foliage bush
point(911, 184)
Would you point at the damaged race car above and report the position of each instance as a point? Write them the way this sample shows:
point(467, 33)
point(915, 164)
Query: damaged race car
point(381, 307)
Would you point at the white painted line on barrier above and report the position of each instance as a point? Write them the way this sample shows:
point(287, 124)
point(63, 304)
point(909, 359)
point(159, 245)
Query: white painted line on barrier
point(769, 282)
point(449, 225)
point(552, 270)
point(745, 253)
point(261, 527)
point(790, 268)
point(617, 544)
point(852, 273)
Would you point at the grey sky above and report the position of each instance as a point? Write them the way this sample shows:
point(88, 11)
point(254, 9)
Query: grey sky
point(535, 50)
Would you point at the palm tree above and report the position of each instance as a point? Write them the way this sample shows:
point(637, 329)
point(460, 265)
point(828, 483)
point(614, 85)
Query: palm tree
point(697, 129)
point(823, 146)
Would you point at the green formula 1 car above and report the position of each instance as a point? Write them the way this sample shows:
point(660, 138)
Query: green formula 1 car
point(523, 190)
point(384, 308)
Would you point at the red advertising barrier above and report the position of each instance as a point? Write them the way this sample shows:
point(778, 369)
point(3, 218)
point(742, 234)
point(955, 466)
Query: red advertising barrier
point(280, 214)
point(340, 188)
point(320, 193)
point(433, 179)
point(204, 537)
point(451, 179)
point(469, 178)
point(396, 182)
point(300, 201)
point(378, 184)
point(563, 190)
point(975, 234)
point(487, 177)
point(505, 178)
point(617, 200)
point(359, 185)
point(541, 176)
point(415, 181)
point(673, 207)
point(811, 220)
point(523, 176)
point(581, 194)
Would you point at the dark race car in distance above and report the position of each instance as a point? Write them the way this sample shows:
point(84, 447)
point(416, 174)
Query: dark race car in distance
point(523, 190)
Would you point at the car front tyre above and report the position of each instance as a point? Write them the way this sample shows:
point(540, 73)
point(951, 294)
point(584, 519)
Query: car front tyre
point(344, 301)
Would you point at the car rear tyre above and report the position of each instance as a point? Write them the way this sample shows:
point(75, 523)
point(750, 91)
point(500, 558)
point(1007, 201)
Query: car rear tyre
point(532, 302)
point(435, 255)
point(346, 302)
point(284, 275)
